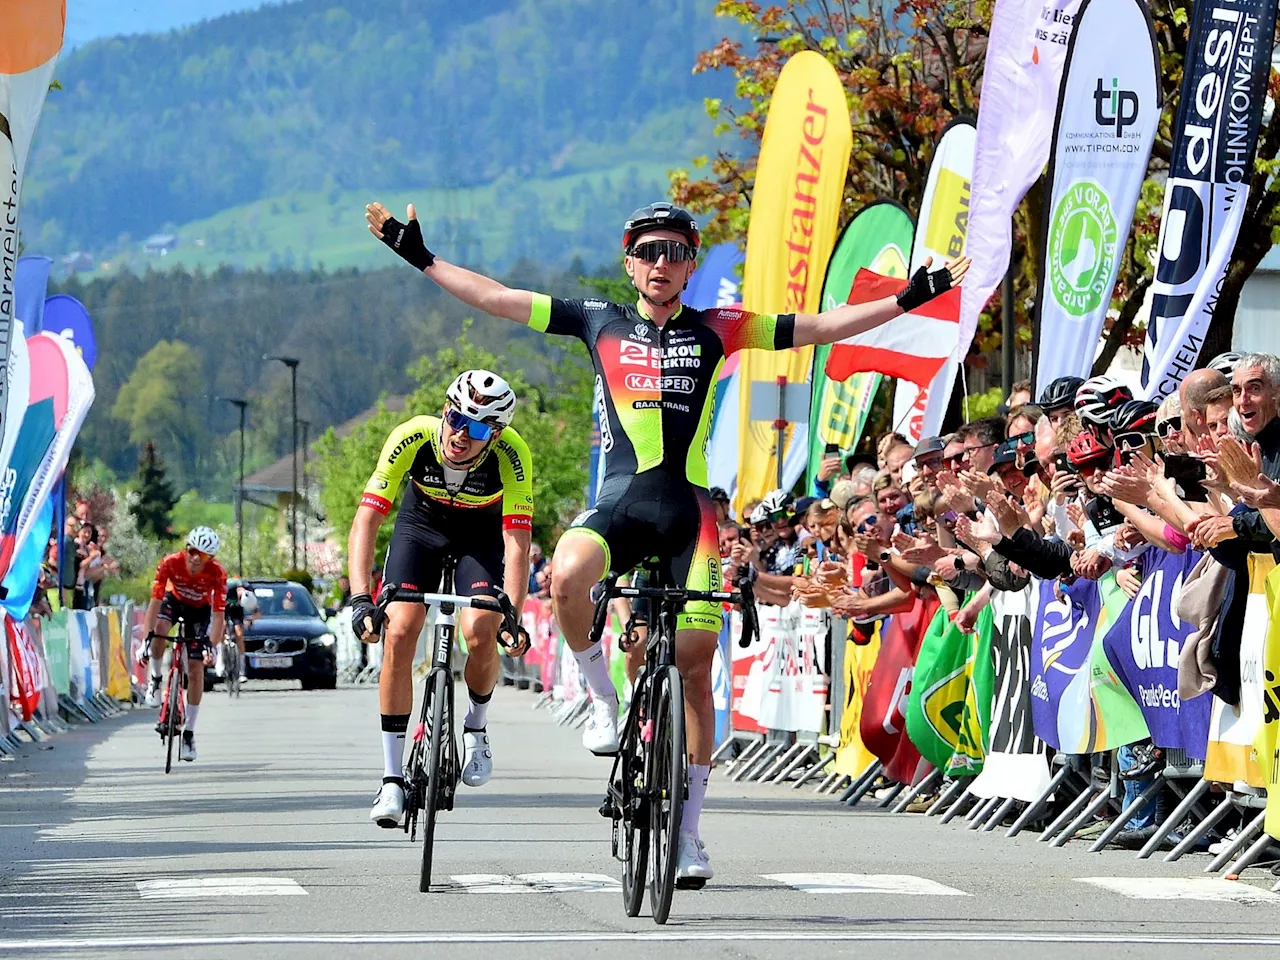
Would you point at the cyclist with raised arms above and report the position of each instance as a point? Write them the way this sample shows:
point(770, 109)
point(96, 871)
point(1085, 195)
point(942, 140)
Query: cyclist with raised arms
point(192, 586)
point(656, 365)
point(470, 496)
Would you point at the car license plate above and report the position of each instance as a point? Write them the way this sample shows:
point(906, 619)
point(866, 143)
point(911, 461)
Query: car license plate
point(270, 661)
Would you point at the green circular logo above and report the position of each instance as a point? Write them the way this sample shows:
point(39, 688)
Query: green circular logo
point(1082, 248)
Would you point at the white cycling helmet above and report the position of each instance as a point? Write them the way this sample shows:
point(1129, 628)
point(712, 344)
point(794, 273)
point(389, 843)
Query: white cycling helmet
point(483, 396)
point(758, 515)
point(777, 502)
point(1098, 398)
point(204, 540)
point(1226, 363)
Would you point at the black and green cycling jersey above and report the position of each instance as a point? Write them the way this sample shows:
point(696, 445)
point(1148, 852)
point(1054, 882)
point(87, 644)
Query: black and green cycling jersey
point(655, 388)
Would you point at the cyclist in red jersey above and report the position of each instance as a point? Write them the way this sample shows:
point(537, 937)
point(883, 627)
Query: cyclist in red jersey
point(190, 585)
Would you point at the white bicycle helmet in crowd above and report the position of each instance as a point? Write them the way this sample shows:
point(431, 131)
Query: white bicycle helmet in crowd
point(759, 515)
point(776, 502)
point(1098, 398)
point(204, 540)
point(483, 396)
point(1226, 363)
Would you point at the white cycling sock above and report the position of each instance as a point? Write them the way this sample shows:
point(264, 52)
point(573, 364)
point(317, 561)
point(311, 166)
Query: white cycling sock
point(192, 710)
point(393, 735)
point(698, 777)
point(595, 670)
point(477, 717)
point(157, 668)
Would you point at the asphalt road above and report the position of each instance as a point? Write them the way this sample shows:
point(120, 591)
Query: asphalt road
point(262, 848)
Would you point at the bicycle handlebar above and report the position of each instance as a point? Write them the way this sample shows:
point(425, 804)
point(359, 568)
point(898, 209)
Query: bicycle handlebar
point(743, 596)
point(511, 636)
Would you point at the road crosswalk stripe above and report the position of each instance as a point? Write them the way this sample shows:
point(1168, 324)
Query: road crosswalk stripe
point(537, 883)
point(1182, 888)
point(891, 884)
point(180, 888)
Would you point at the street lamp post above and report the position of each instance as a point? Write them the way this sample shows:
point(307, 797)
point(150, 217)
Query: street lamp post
point(241, 405)
point(306, 487)
point(292, 364)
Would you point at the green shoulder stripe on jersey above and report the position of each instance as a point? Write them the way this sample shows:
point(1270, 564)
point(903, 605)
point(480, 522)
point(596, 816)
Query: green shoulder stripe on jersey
point(540, 312)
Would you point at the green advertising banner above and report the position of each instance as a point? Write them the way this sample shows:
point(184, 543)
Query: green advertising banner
point(877, 238)
point(949, 707)
point(57, 648)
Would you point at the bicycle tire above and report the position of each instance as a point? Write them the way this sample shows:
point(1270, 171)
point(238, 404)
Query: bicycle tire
point(635, 818)
point(666, 789)
point(174, 708)
point(437, 687)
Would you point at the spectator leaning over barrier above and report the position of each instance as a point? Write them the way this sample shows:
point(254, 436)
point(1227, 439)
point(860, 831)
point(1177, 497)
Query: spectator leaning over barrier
point(1193, 394)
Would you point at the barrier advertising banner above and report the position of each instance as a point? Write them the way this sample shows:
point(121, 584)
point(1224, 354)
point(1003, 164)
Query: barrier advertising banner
point(747, 674)
point(795, 216)
point(852, 756)
point(1230, 754)
point(1143, 647)
point(879, 239)
point(1224, 86)
point(943, 230)
point(1108, 113)
point(1016, 764)
point(883, 723)
point(1267, 742)
point(1026, 49)
point(794, 691)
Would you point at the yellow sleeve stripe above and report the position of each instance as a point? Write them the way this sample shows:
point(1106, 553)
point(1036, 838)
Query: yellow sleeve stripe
point(540, 313)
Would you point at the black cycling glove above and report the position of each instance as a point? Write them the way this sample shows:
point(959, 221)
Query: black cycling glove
point(406, 240)
point(924, 285)
point(362, 616)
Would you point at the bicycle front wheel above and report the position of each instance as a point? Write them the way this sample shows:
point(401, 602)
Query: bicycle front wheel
point(437, 760)
point(666, 789)
point(634, 824)
point(173, 707)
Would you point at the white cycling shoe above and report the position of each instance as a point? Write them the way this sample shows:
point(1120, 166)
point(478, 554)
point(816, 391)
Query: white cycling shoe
point(388, 805)
point(188, 750)
point(477, 758)
point(694, 864)
point(600, 735)
point(153, 692)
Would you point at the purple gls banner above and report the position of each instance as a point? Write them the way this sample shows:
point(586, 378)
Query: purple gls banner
point(1060, 648)
point(1143, 646)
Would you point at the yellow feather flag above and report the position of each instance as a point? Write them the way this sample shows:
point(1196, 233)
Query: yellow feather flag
point(795, 217)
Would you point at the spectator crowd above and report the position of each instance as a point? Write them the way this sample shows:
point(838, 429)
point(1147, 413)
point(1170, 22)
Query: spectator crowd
point(76, 563)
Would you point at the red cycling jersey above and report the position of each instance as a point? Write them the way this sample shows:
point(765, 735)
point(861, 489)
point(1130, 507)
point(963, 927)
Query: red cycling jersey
point(209, 586)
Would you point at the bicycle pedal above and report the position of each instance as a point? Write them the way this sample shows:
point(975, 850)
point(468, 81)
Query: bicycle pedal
point(690, 883)
point(608, 810)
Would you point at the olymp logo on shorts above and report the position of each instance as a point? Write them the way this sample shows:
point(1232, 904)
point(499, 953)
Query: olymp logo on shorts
point(1082, 248)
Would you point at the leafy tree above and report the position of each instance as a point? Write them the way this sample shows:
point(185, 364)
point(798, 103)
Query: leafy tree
point(155, 496)
point(161, 401)
point(909, 67)
point(555, 421)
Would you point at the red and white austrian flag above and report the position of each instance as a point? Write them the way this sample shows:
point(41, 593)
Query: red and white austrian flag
point(911, 347)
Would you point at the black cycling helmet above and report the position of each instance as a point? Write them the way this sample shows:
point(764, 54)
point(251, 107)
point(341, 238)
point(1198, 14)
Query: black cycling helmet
point(661, 216)
point(1060, 393)
point(1135, 415)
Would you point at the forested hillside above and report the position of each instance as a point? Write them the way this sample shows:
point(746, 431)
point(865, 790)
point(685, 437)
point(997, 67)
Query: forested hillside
point(321, 97)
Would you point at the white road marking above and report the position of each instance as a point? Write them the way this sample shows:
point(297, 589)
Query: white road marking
point(537, 883)
point(1182, 888)
point(1216, 941)
point(891, 884)
point(180, 888)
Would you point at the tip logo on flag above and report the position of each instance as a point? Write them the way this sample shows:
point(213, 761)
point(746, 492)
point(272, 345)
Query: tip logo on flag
point(1123, 105)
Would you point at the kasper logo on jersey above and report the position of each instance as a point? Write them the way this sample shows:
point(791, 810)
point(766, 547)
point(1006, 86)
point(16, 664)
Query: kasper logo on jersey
point(404, 445)
point(644, 383)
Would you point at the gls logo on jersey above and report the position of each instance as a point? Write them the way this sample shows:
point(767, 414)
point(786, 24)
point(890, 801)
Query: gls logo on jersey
point(646, 384)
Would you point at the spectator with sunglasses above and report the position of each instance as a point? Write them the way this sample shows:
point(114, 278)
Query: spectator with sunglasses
point(469, 496)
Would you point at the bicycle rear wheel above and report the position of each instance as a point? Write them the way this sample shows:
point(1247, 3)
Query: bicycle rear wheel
point(437, 763)
point(666, 788)
point(173, 708)
point(634, 823)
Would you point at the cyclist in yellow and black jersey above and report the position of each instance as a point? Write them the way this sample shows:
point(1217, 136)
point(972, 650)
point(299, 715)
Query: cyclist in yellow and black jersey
point(470, 495)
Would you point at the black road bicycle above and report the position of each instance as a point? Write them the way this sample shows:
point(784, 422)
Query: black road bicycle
point(649, 780)
point(433, 770)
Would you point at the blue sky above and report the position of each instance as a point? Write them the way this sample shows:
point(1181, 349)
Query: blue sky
point(90, 19)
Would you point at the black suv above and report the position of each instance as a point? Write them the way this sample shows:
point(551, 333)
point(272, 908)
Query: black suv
point(286, 638)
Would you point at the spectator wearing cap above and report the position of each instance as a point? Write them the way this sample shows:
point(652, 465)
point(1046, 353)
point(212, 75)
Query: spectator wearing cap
point(1005, 466)
point(720, 501)
point(927, 457)
point(1194, 394)
point(953, 452)
point(842, 491)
